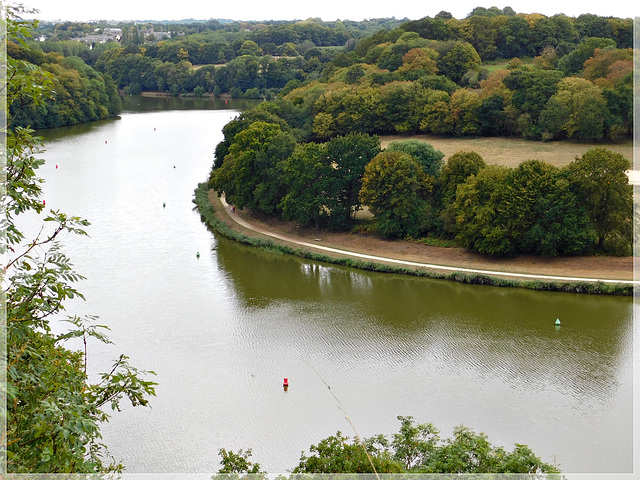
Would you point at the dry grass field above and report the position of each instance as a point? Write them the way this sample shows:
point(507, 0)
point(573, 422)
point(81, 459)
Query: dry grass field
point(513, 151)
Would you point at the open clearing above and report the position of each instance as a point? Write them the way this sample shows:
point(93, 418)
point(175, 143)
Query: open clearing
point(511, 152)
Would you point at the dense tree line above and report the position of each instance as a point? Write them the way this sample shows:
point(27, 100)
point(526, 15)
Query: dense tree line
point(440, 87)
point(429, 75)
point(416, 449)
point(535, 208)
point(81, 94)
point(251, 74)
point(257, 60)
point(250, 60)
point(309, 29)
point(505, 34)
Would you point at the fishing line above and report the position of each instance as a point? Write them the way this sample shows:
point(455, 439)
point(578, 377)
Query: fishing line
point(346, 416)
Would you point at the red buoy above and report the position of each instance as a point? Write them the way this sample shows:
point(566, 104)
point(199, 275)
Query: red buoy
point(44, 202)
point(286, 382)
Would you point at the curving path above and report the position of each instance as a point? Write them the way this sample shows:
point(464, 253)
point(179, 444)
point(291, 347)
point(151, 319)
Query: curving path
point(288, 239)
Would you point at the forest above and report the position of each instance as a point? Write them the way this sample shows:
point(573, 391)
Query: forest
point(310, 151)
point(494, 73)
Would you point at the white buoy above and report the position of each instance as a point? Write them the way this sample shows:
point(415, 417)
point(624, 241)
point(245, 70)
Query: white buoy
point(557, 321)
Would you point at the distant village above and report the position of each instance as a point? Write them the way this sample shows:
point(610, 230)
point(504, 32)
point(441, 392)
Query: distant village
point(108, 34)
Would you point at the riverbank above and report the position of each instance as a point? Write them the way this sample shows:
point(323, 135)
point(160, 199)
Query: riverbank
point(594, 274)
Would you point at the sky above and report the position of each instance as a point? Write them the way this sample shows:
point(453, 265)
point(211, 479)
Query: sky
point(328, 10)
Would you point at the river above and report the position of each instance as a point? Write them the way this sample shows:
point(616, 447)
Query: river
point(222, 330)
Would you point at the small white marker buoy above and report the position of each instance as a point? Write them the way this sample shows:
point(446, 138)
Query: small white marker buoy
point(557, 321)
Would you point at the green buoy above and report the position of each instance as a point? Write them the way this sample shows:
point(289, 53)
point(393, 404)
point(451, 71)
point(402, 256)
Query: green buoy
point(557, 321)
point(197, 254)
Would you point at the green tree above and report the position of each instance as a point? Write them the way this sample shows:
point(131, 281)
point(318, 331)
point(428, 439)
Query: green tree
point(430, 159)
point(491, 115)
point(461, 59)
point(579, 108)
point(599, 180)
point(531, 89)
point(478, 207)
point(573, 62)
point(354, 73)
point(307, 174)
point(323, 126)
point(249, 47)
point(459, 167)
point(335, 455)
point(395, 188)
point(418, 449)
point(556, 31)
point(543, 216)
point(415, 443)
point(402, 106)
point(81, 93)
point(53, 412)
point(463, 114)
point(437, 113)
point(348, 155)
point(514, 38)
point(237, 462)
point(250, 175)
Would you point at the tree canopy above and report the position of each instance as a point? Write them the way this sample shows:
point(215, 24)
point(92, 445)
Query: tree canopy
point(416, 449)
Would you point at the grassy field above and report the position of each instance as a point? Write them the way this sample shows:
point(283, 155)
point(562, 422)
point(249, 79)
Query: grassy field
point(513, 151)
point(492, 66)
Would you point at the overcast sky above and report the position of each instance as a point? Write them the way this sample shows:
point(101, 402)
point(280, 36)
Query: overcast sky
point(83, 10)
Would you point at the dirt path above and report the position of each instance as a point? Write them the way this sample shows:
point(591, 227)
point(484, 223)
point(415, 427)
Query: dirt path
point(525, 267)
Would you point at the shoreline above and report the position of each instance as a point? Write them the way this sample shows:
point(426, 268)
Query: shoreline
point(597, 275)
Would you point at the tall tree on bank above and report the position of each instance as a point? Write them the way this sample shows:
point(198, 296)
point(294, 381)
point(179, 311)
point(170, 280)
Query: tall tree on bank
point(348, 155)
point(307, 174)
point(396, 188)
point(53, 413)
point(600, 182)
point(250, 174)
